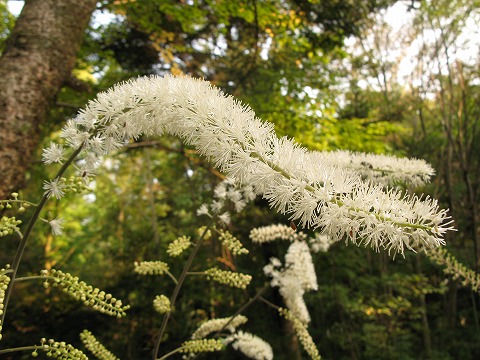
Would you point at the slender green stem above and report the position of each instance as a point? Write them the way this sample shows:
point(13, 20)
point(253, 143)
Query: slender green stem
point(28, 231)
point(174, 279)
point(272, 305)
point(176, 291)
point(33, 277)
point(240, 310)
point(19, 201)
point(170, 353)
point(257, 296)
point(23, 348)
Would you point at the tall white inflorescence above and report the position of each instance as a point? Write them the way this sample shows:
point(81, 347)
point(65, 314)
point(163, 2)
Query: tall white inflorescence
point(296, 277)
point(296, 182)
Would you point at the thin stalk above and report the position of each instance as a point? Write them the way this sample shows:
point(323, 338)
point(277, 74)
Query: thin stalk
point(23, 348)
point(18, 201)
point(262, 299)
point(28, 231)
point(171, 353)
point(33, 277)
point(176, 291)
point(174, 279)
point(243, 308)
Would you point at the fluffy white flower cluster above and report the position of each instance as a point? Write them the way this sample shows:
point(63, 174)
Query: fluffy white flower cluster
point(320, 243)
point(251, 346)
point(381, 169)
point(296, 277)
point(265, 234)
point(295, 182)
point(227, 191)
point(55, 153)
point(214, 325)
point(57, 226)
point(274, 232)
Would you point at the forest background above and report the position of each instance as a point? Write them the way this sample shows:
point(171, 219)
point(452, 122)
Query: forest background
point(332, 75)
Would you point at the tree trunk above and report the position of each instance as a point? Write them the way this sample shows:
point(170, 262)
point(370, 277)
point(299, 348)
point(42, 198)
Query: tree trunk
point(38, 58)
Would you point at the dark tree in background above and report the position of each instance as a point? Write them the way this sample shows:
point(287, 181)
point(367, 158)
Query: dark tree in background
point(36, 63)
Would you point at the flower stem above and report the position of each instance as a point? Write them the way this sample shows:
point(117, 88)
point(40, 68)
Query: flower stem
point(272, 305)
point(257, 296)
point(33, 277)
point(176, 291)
point(170, 275)
point(170, 353)
point(19, 201)
point(23, 348)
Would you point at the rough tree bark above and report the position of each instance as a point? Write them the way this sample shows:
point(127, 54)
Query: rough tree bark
point(38, 59)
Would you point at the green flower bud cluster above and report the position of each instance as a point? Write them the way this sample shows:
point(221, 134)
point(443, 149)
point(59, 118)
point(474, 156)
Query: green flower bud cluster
point(74, 184)
point(150, 267)
point(59, 350)
point(90, 296)
point(231, 243)
point(8, 225)
point(302, 333)
point(179, 245)
point(230, 278)
point(161, 304)
point(201, 230)
point(202, 345)
point(455, 269)
point(8, 204)
point(4, 281)
point(95, 347)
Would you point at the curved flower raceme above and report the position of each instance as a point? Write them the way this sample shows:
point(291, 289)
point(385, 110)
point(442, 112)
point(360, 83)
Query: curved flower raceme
point(296, 277)
point(302, 333)
point(79, 290)
point(295, 182)
point(266, 234)
point(454, 268)
point(214, 325)
point(96, 348)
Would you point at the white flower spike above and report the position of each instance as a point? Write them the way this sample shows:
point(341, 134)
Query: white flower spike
point(296, 182)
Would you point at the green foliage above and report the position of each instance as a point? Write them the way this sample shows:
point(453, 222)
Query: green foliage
point(280, 58)
point(7, 20)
